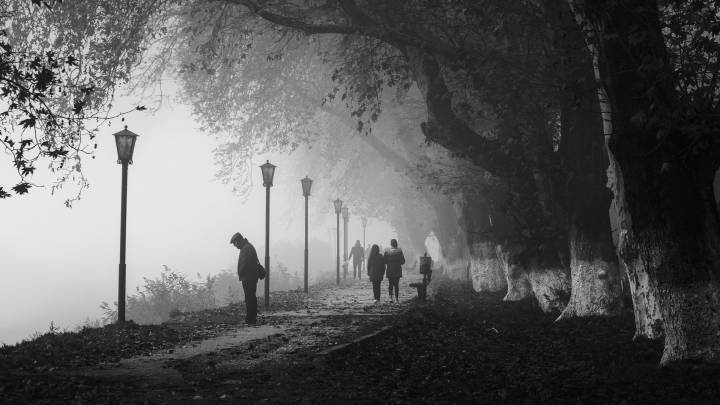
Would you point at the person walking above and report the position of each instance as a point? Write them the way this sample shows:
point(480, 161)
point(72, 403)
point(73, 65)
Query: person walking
point(376, 270)
point(394, 258)
point(247, 270)
point(357, 253)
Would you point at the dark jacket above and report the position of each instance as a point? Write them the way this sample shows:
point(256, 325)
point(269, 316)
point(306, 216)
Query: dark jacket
point(376, 268)
point(357, 253)
point(247, 263)
point(395, 259)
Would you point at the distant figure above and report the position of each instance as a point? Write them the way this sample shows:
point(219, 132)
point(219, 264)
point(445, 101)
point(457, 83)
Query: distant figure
point(426, 268)
point(248, 275)
point(357, 253)
point(394, 258)
point(376, 270)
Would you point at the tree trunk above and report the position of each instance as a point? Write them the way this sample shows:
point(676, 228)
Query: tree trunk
point(670, 233)
point(518, 284)
point(551, 287)
point(596, 278)
point(548, 284)
point(643, 287)
point(486, 271)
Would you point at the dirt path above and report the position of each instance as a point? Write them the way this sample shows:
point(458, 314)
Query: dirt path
point(334, 315)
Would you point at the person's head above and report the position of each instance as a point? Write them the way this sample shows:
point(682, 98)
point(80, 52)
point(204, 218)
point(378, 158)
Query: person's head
point(237, 240)
point(357, 243)
point(393, 243)
point(374, 250)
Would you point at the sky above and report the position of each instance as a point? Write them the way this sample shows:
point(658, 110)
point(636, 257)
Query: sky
point(58, 264)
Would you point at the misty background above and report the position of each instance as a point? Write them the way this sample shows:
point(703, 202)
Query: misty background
point(60, 263)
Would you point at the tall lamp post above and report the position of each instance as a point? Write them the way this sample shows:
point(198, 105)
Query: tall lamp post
point(125, 142)
point(346, 215)
point(306, 186)
point(268, 172)
point(338, 207)
point(364, 224)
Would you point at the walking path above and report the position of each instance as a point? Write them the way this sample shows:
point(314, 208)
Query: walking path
point(334, 315)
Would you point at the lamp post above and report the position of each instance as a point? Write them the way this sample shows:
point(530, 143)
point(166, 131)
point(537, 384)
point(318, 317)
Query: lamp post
point(306, 186)
point(268, 172)
point(338, 207)
point(346, 215)
point(364, 224)
point(125, 143)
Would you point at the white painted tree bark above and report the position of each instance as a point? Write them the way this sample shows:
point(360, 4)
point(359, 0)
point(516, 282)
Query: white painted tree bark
point(486, 271)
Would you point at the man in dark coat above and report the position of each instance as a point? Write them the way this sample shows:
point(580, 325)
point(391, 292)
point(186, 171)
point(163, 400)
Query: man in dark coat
point(248, 275)
point(358, 255)
point(394, 258)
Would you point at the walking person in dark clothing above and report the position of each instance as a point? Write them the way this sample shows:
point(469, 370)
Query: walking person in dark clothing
point(376, 270)
point(394, 258)
point(358, 254)
point(248, 275)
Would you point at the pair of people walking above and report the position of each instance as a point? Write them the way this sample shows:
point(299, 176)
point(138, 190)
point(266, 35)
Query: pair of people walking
point(391, 262)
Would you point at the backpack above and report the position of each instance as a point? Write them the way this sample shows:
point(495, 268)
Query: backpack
point(261, 271)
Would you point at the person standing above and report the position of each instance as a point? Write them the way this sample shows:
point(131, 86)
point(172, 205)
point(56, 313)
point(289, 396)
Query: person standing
point(376, 270)
point(357, 253)
point(394, 258)
point(248, 275)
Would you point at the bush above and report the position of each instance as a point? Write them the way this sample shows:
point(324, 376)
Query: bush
point(173, 294)
point(168, 295)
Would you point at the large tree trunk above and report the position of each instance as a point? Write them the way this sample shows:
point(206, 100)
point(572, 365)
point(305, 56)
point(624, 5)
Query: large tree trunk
point(518, 284)
point(486, 271)
point(671, 234)
point(596, 278)
point(551, 287)
point(643, 288)
point(541, 278)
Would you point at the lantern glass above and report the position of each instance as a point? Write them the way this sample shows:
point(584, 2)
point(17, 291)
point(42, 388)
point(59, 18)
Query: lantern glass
point(306, 185)
point(345, 212)
point(364, 221)
point(338, 205)
point(125, 143)
point(268, 172)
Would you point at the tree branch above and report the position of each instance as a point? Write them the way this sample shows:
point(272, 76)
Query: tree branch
point(367, 28)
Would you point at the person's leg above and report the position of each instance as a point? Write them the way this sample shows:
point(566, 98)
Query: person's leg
point(376, 290)
point(250, 289)
point(390, 288)
point(246, 296)
point(396, 283)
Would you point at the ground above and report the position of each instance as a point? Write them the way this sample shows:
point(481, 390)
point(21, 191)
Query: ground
point(336, 346)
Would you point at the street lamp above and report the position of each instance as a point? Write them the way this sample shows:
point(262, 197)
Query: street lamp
point(306, 186)
point(125, 143)
point(364, 224)
point(338, 207)
point(346, 215)
point(268, 172)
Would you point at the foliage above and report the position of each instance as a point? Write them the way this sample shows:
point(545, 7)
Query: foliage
point(160, 298)
point(56, 87)
point(691, 31)
point(173, 293)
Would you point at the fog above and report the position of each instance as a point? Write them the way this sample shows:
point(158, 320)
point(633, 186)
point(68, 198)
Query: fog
point(59, 264)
